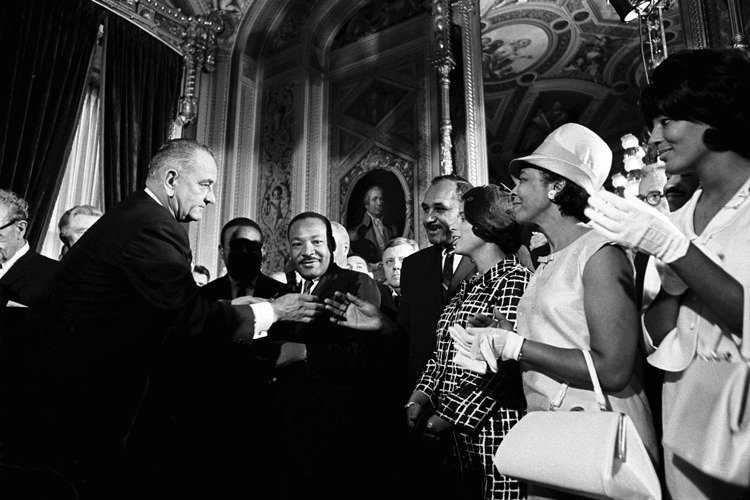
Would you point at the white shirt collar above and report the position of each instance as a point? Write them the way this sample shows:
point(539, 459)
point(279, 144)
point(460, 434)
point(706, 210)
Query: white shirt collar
point(9, 263)
point(152, 195)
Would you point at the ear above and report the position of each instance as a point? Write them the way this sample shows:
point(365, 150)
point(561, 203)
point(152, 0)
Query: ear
point(170, 179)
point(22, 227)
point(713, 140)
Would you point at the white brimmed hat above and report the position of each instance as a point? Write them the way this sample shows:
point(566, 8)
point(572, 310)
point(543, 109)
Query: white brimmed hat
point(574, 152)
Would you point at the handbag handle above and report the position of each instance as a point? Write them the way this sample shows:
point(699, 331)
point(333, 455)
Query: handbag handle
point(600, 399)
point(620, 443)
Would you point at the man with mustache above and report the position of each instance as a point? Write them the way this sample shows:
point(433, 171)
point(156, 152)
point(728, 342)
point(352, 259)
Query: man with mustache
point(430, 276)
point(326, 381)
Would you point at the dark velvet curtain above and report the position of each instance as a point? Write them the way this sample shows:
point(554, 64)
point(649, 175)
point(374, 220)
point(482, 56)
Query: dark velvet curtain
point(47, 47)
point(141, 88)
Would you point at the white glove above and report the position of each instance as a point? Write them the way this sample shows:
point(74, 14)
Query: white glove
point(474, 365)
point(636, 225)
point(492, 344)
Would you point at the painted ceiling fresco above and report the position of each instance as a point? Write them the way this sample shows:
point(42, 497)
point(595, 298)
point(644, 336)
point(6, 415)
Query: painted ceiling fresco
point(550, 62)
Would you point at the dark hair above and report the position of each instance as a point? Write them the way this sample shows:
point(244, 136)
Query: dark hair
point(572, 199)
point(178, 154)
point(711, 86)
point(202, 270)
point(240, 222)
point(489, 210)
point(329, 230)
point(462, 185)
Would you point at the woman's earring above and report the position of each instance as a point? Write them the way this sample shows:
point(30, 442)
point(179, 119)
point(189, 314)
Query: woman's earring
point(551, 194)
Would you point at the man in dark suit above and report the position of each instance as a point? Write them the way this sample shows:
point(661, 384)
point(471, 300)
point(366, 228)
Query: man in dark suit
point(428, 280)
point(430, 276)
point(241, 250)
point(368, 239)
point(23, 272)
point(326, 382)
point(394, 254)
point(81, 368)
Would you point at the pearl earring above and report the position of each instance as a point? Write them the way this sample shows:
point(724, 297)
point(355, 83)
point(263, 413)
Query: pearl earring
point(551, 194)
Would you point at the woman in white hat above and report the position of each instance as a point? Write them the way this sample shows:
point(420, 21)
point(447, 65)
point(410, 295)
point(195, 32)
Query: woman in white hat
point(581, 296)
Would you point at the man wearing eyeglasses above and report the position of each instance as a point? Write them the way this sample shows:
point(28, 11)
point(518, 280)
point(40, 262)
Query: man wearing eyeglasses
point(23, 272)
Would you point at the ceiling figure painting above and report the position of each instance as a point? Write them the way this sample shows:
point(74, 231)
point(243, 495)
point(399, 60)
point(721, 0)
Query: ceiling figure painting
point(550, 62)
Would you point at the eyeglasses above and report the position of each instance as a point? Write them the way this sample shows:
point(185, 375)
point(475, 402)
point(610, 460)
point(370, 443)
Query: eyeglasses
point(652, 197)
point(8, 224)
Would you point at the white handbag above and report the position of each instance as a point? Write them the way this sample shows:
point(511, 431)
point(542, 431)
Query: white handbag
point(591, 454)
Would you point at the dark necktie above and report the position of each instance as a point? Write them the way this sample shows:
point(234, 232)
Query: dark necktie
point(447, 273)
point(307, 287)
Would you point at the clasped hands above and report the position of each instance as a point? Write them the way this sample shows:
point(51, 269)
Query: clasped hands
point(479, 346)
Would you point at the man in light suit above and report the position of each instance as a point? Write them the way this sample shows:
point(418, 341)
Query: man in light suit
point(368, 239)
point(427, 283)
point(85, 353)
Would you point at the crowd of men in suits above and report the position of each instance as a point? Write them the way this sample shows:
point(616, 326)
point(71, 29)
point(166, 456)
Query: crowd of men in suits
point(127, 380)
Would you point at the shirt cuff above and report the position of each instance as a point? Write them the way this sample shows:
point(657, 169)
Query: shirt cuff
point(264, 318)
point(648, 344)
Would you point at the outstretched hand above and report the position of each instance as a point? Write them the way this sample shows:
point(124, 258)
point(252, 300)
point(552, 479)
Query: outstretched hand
point(352, 312)
point(297, 307)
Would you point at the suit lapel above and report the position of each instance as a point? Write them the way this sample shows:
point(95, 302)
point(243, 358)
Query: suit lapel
point(465, 268)
point(19, 269)
point(326, 280)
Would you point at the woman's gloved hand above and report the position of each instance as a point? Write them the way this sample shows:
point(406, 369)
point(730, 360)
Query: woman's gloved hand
point(636, 225)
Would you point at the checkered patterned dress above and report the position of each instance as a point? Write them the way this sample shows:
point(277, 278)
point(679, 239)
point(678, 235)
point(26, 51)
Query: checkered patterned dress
point(482, 408)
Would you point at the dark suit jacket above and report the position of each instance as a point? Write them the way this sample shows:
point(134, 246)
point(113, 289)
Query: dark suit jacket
point(221, 288)
point(90, 342)
point(320, 403)
point(365, 243)
point(26, 280)
point(422, 303)
point(387, 303)
point(23, 283)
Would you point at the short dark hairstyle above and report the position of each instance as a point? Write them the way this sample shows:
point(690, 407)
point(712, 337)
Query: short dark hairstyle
point(489, 210)
point(202, 270)
point(314, 215)
point(462, 185)
point(572, 199)
point(239, 222)
point(710, 86)
point(178, 153)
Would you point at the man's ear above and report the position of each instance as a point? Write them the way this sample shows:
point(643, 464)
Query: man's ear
point(170, 179)
point(22, 227)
